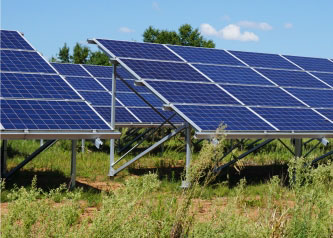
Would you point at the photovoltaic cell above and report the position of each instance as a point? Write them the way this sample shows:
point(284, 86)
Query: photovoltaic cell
point(14, 85)
point(178, 92)
point(312, 64)
point(106, 71)
point(122, 115)
point(13, 40)
point(292, 78)
point(23, 61)
point(138, 50)
point(314, 97)
point(84, 83)
point(262, 96)
point(122, 87)
point(327, 113)
point(238, 75)
point(131, 99)
point(97, 98)
point(70, 69)
point(164, 70)
point(48, 115)
point(326, 77)
point(264, 60)
point(234, 118)
point(295, 119)
point(205, 55)
point(148, 115)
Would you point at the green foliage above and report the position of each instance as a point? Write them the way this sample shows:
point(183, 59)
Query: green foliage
point(81, 55)
point(186, 36)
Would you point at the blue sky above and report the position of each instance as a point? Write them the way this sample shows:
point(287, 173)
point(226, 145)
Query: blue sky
point(294, 27)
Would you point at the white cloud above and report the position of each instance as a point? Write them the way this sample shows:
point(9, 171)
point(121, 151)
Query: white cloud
point(230, 32)
point(256, 25)
point(125, 29)
point(288, 25)
point(155, 6)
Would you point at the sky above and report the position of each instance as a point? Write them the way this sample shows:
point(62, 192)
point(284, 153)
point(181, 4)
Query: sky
point(292, 27)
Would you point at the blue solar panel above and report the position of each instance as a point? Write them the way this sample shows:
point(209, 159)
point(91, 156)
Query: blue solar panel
point(13, 40)
point(178, 92)
point(314, 97)
point(264, 60)
point(121, 87)
point(312, 64)
point(326, 77)
point(23, 61)
point(262, 96)
point(84, 83)
point(295, 119)
point(131, 99)
point(234, 118)
point(148, 115)
point(122, 115)
point(138, 50)
point(49, 115)
point(14, 85)
point(292, 78)
point(164, 70)
point(205, 55)
point(106, 71)
point(97, 98)
point(70, 69)
point(327, 113)
point(239, 75)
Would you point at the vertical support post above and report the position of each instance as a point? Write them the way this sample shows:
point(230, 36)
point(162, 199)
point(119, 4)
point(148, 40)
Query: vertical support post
point(73, 165)
point(3, 158)
point(186, 183)
point(113, 118)
point(83, 142)
point(298, 147)
point(41, 142)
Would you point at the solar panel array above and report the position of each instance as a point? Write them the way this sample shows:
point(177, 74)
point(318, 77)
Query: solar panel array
point(94, 84)
point(34, 97)
point(245, 91)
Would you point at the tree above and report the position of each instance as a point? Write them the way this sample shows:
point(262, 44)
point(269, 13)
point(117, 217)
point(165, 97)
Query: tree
point(98, 58)
point(186, 36)
point(63, 55)
point(80, 54)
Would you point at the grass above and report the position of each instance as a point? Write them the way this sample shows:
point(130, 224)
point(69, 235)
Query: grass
point(248, 201)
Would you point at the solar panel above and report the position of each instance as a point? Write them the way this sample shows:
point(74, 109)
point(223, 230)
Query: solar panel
point(312, 64)
point(14, 85)
point(139, 50)
point(149, 116)
point(13, 40)
point(263, 96)
point(327, 113)
point(70, 69)
point(164, 70)
point(233, 75)
point(326, 77)
point(49, 115)
point(106, 71)
point(122, 87)
point(264, 60)
point(179, 92)
point(122, 115)
point(24, 61)
point(84, 83)
point(207, 93)
point(295, 119)
point(234, 118)
point(205, 55)
point(292, 78)
point(314, 97)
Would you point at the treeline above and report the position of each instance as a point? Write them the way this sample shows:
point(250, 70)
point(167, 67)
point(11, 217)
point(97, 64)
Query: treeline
point(186, 36)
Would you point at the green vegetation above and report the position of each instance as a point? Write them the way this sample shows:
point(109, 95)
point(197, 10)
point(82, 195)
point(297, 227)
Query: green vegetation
point(297, 203)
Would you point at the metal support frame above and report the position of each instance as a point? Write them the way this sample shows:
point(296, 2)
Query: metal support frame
point(45, 146)
point(257, 147)
point(83, 142)
point(3, 158)
point(287, 147)
point(298, 148)
point(113, 118)
point(321, 157)
point(73, 166)
point(135, 139)
point(186, 182)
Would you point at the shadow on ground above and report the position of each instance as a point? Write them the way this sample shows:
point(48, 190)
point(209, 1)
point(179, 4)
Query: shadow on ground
point(253, 174)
